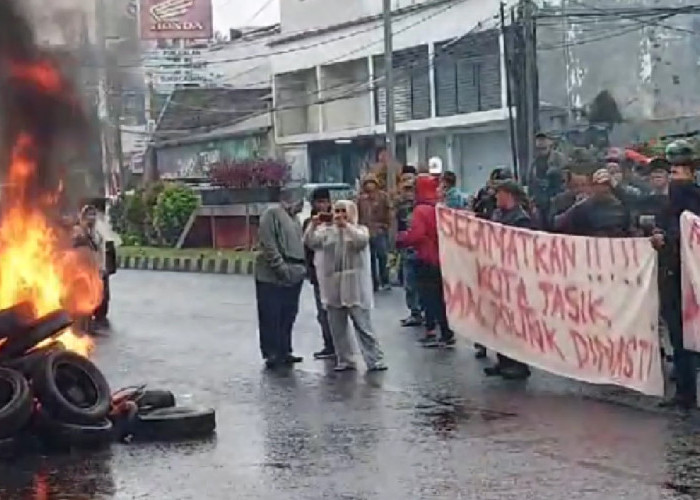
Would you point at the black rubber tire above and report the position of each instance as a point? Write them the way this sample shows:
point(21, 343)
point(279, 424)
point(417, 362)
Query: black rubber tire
point(17, 410)
point(28, 363)
point(62, 435)
point(55, 370)
point(42, 329)
point(155, 399)
point(174, 423)
point(14, 321)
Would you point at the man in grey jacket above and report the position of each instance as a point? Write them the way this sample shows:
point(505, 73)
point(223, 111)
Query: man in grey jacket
point(280, 271)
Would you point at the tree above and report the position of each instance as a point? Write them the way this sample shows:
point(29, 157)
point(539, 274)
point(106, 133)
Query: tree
point(604, 109)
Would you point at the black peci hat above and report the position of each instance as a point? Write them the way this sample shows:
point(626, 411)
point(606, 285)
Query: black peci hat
point(511, 186)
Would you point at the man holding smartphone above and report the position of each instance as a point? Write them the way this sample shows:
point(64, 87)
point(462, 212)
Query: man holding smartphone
point(321, 208)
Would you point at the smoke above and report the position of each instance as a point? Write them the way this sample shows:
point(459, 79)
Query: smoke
point(38, 101)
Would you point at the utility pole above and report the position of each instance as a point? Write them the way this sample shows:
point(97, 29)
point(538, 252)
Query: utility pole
point(507, 38)
point(103, 89)
point(531, 92)
point(389, 97)
point(119, 147)
point(567, 56)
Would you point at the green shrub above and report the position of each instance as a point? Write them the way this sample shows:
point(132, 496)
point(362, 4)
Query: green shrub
point(175, 204)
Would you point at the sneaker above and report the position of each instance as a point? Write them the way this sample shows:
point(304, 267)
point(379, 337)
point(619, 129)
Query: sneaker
point(493, 371)
point(291, 359)
point(516, 373)
point(480, 351)
point(325, 354)
point(681, 402)
point(386, 288)
point(449, 342)
point(412, 321)
point(429, 341)
point(272, 363)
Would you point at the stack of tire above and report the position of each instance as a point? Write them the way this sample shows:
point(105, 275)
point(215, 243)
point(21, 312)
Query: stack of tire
point(54, 398)
point(57, 397)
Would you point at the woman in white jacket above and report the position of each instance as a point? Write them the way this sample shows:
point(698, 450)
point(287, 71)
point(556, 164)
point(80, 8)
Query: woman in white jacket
point(343, 267)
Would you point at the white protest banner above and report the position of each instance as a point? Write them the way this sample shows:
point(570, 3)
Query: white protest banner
point(690, 279)
point(584, 308)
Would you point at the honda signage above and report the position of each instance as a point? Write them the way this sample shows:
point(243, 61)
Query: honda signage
point(171, 19)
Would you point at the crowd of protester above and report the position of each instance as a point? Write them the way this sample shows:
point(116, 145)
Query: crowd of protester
point(344, 248)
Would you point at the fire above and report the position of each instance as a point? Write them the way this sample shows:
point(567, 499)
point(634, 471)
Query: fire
point(41, 74)
point(37, 263)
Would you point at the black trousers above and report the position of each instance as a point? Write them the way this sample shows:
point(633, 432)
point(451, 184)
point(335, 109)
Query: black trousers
point(278, 307)
point(683, 360)
point(102, 310)
point(322, 317)
point(432, 295)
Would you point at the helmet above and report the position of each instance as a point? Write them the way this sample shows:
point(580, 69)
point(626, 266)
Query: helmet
point(680, 152)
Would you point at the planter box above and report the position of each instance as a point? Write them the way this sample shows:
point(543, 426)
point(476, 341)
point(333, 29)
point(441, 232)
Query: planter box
point(223, 196)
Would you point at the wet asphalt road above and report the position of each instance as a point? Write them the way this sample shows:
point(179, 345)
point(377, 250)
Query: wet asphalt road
point(431, 427)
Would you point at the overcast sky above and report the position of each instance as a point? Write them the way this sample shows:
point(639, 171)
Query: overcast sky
point(234, 13)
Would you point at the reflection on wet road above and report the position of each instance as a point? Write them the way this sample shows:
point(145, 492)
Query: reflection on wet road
point(431, 427)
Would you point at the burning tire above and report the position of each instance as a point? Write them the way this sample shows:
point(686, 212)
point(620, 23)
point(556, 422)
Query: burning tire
point(63, 435)
point(16, 403)
point(28, 363)
point(71, 388)
point(40, 330)
point(13, 321)
point(174, 423)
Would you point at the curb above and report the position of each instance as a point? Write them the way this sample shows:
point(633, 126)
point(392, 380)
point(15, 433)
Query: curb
point(187, 265)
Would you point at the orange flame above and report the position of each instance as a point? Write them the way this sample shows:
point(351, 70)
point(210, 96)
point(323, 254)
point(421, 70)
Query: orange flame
point(41, 73)
point(37, 264)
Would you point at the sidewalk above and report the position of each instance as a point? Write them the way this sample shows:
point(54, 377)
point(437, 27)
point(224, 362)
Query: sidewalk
point(186, 261)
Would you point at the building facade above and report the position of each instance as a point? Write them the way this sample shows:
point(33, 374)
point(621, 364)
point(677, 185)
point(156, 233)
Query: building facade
point(450, 91)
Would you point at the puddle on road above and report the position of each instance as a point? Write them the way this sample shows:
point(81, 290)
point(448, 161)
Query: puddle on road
point(445, 414)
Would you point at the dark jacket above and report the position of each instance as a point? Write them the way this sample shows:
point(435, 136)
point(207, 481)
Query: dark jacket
point(560, 204)
point(404, 212)
point(516, 217)
point(682, 196)
point(309, 253)
point(484, 203)
point(597, 216)
point(546, 180)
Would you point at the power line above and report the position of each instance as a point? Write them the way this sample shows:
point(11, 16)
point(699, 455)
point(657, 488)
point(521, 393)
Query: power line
point(617, 34)
point(678, 11)
point(259, 11)
point(375, 42)
point(362, 88)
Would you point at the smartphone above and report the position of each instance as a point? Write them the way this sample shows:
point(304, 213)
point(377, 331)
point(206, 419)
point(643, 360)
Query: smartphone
point(325, 217)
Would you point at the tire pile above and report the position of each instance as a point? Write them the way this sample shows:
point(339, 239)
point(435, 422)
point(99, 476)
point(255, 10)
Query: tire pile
point(51, 398)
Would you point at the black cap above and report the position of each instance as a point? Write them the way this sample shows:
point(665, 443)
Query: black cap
point(321, 193)
point(511, 186)
point(501, 174)
point(658, 164)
